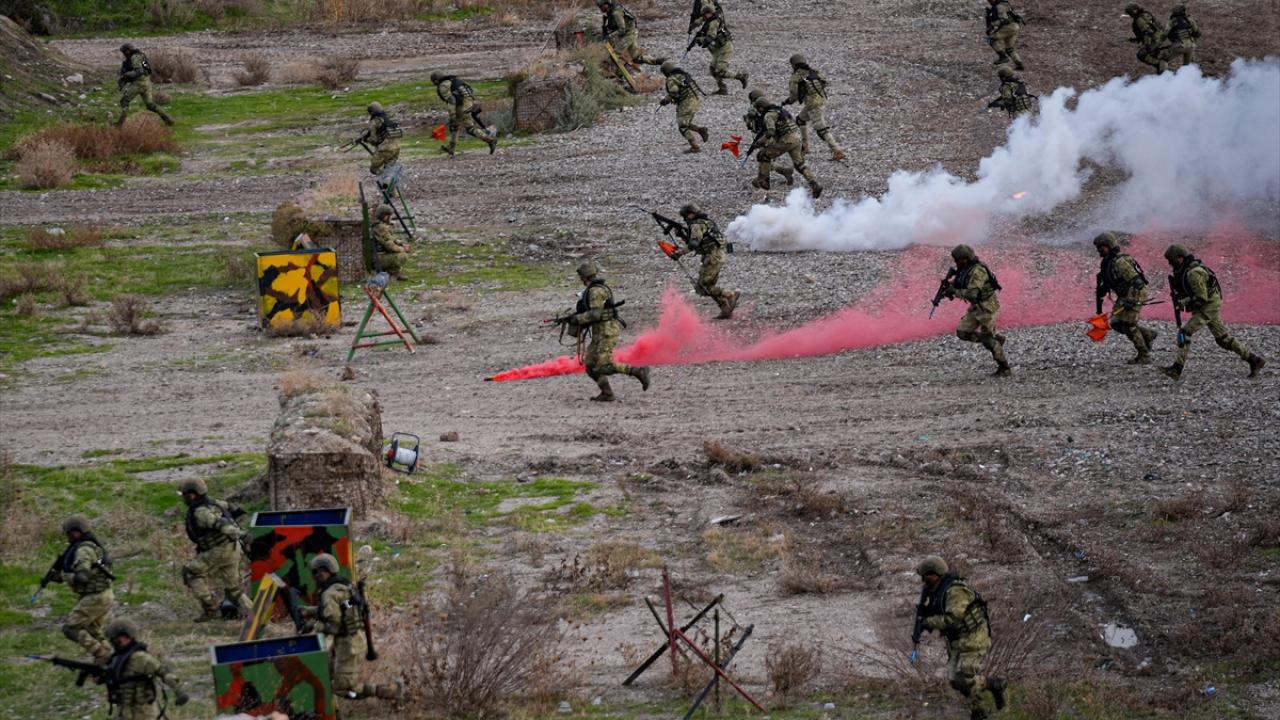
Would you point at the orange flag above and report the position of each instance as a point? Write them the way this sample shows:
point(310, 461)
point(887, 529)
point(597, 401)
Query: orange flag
point(668, 248)
point(732, 145)
point(1098, 327)
point(440, 133)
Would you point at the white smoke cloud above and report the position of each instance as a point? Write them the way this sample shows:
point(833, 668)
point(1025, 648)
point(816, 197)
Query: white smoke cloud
point(1189, 145)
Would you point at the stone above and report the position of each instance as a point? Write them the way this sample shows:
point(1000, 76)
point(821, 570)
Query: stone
point(451, 436)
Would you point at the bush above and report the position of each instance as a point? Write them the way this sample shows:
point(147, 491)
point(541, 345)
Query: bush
point(31, 278)
point(26, 306)
point(593, 93)
point(73, 292)
point(791, 667)
point(173, 67)
point(79, 237)
point(171, 13)
point(257, 69)
point(731, 460)
point(142, 134)
point(128, 316)
point(46, 164)
point(337, 72)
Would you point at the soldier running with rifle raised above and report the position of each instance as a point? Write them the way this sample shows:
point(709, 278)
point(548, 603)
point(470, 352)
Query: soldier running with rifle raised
point(85, 566)
point(702, 236)
point(778, 135)
point(1122, 276)
point(596, 314)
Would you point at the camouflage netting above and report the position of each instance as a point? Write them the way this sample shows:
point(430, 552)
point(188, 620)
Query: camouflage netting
point(324, 451)
point(344, 235)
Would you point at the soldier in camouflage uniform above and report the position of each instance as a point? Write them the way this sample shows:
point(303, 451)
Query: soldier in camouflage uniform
point(975, 283)
point(808, 87)
point(779, 135)
point(132, 673)
point(682, 90)
point(340, 616)
point(705, 239)
point(211, 525)
point(384, 135)
point(1003, 25)
point(1184, 32)
point(1194, 287)
point(950, 607)
point(392, 253)
point(700, 8)
point(1150, 37)
point(618, 28)
point(135, 81)
point(596, 313)
point(752, 121)
point(1014, 98)
point(463, 115)
point(715, 37)
point(85, 567)
point(1121, 275)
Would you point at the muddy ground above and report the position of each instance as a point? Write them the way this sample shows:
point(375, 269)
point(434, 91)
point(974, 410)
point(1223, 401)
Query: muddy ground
point(1067, 470)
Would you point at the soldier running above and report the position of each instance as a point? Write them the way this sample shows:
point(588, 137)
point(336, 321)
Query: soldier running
point(211, 526)
point(135, 81)
point(779, 135)
point(1014, 98)
point(715, 37)
point(1184, 33)
point(85, 567)
point(700, 8)
point(392, 253)
point(973, 281)
point(1003, 25)
point(132, 673)
point(384, 135)
point(464, 116)
point(597, 314)
point(705, 239)
point(752, 121)
point(1121, 275)
point(1193, 286)
point(950, 607)
point(808, 87)
point(618, 28)
point(682, 90)
point(340, 616)
point(1150, 37)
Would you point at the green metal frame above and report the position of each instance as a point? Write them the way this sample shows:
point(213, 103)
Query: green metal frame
point(375, 303)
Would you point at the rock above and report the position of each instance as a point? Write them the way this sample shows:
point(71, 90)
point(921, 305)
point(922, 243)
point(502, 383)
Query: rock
point(718, 476)
point(724, 520)
point(76, 79)
point(55, 231)
point(451, 436)
point(46, 97)
point(1118, 636)
point(348, 373)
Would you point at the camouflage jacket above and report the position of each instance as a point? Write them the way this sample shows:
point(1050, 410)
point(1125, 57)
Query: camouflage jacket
point(132, 675)
point(1183, 29)
point(705, 236)
point(386, 238)
point(1123, 276)
point(806, 85)
point(209, 524)
point(978, 285)
point(1147, 30)
point(960, 614)
point(81, 565)
point(1195, 286)
point(339, 614)
point(595, 307)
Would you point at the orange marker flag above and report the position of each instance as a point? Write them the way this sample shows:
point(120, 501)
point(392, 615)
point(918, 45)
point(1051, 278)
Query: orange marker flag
point(732, 145)
point(668, 249)
point(440, 133)
point(1098, 327)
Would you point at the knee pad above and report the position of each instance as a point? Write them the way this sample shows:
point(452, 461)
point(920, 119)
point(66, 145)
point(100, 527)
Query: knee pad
point(71, 632)
point(1225, 342)
point(188, 575)
point(962, 685)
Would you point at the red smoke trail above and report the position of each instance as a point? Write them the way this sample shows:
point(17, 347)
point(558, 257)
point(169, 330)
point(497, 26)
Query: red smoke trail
point(1042, 286)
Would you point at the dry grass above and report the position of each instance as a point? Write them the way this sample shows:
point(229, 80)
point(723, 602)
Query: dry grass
point(73, 292)
point(46, 164)
point(803, 574)
point(732, 550)
point(39, 239)
point(301, 377)
point(1178, 509)
point(21, 526)
point(257, 69)
point(26, 306)
point(128, 316)
point(299, 72)
point(218, 9)
point(792, 667)
point(29, 278)
point(610, 565)
point(141, 134)
point(173, 67)
point(733, 461)
point(338, 193)
point(338, 72)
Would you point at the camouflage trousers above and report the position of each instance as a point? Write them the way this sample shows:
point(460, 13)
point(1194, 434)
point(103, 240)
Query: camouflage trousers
point(979, 326)
point(720, 55)
point(462, 121)
point(140, 88)
point(626, 46)
point(393, 262)
point(217, 570)
point(598, 357)
point(1126, 314)
point(964, 672)
point(1005, 42)
point(383, 155)
point(812, 114)
point(709, 274)
point(793, 145)
point(85, 623)
point(346, 652)
point(1186, 49)
point(137, 711)
point(1157, 56)
point(1209, 316)
point(685, 111)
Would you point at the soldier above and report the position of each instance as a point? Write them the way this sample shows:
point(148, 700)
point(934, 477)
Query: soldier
point(211, 525)
point(597, 313)
point(752, 121)
point(132, 673)
point(85, 567)
point(464, 116)
point(340, 616)
point(807, 86)
point(700, 7)
point(1003, 25)
point(779, 135)
point(1121, 274)
point(705, 239)
point(618, 28)
point(1014, 98)
point(715, 37)
point(384, 135)
point(683, 90)
point(1150, 37)
point(392, 253)
point(135, 81)
point(973, 281)
point(1183, 33)
point(949, 606)
point(1194, 287)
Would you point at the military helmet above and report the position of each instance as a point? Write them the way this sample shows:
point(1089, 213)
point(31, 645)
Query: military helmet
point(128, 48)
point(75, 522)
point(692, 209)
point(1176, 251)
point(1178, 10)
point(1005, 72)
point(383, 211)
point(797, 60)
point(932, 565)
point(963, 252)
point(588, 271)
point(761, 102)
point(375, 108)
point(1132, 9)
point(436, 77)
point(119, 627)
point(754, 95)
point(193, 485)
point(323, 561)
point(668, 67)
point(1107, 240)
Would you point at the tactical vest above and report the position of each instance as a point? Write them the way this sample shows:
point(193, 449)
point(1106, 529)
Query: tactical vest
point(124, 688)
point(720, 36)
point(629, 21)
point(994, 22)
point(1147, 29)
point(208, 538)
point(127, 66)
point(1114, 282)
point(351, 620)
point(387, 128)
point(459, 92)
point(987, 290)
point(1182, 289)
point(98, 580)
point(752, 121)
point(1181, 29)
point(712, 239)
point(975, 616)
point(812, 83)
point(1022, 100)
point(687, 86)
point(783, 126)
point(609, 312)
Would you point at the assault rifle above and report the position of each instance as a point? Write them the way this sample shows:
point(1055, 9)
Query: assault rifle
point(1100, 293)
point(942, 290)
point(86, 670)
point(756, 143)
point(293, 603)
point(52, 574)
point(362, 141)
point(1177, 310)
point(360, 602)
point(670, 226)
point(918, 630)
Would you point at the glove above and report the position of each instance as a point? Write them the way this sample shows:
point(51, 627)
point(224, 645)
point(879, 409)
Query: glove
point(664, 101)
point(787, 102)
point(53, 576)
point(180, 697)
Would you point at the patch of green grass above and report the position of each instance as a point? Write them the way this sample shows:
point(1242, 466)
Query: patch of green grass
point(456, 15)
point(443, 263)
point(439, 491)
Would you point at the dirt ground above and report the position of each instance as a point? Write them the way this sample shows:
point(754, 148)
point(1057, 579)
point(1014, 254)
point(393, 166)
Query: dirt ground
point(1064, 471)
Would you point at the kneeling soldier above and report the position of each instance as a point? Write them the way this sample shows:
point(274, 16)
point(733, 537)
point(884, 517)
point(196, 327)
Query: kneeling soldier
point(132, 673)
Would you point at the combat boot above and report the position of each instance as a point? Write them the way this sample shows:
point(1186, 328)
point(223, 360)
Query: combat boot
point(789, 175)
point(1140, 359)
point(997, 686)
point(703, 132)
point(762, 183)
point(721, 88)
point(837, 155)
point(726, 310)
point(393, 691)
point(1255, 365)
point(742, 78)
point(1002, 369)
point(815, 189)
point(446, 150)
point(209, 611)
point(693, 149)
point(1173, 371)
point(492, 141)
point(604, 396)
point(641, 374)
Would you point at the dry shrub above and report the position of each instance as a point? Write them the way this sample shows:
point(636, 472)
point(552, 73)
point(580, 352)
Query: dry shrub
point(141, 134)
point(336, 194)
point(610, 565)
point(740, 550)
point(173, 66)
point(338, 72)
point(301, 378)
point(239, 268)
point(343, 12)
point(171, 13)
point(46, 164)
point(482, 645)
point(73, 292)
point(593, 93)
point(219, 9)
point(26, 306)
point(257, 69)
point(77, 237)
point(299, 72)
point(1178, 509)
point(803, 574)
point(731, 460)
point(30, 278)
point(791, 667)
point(128, 316)
point(21, 526)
